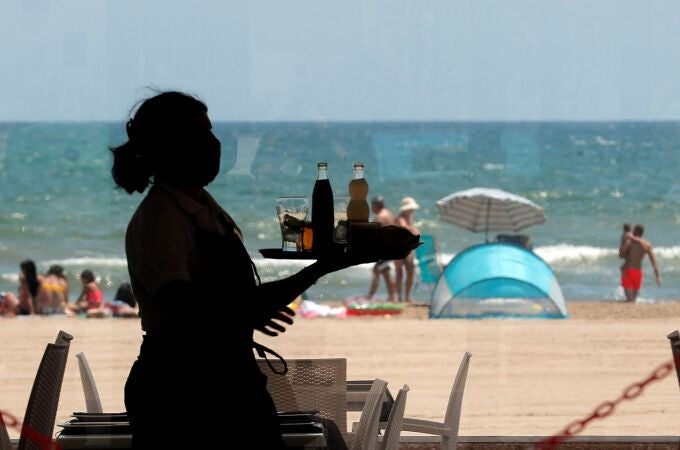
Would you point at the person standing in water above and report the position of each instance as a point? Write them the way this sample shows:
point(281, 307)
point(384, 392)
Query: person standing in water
point(381, 268)
point(633, 251)
point(405, 220)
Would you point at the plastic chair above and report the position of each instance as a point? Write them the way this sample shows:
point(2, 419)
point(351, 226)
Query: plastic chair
point(5, 443)
point(93, 403)
point(63, 338)
point(428, 262)
point(41, 412)
point(312, 385)
point(366, 434)
point(448, 430)
point(390, 440)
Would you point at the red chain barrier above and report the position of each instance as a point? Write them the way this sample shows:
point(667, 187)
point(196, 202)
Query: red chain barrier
point(42, 441)
point(607, 408)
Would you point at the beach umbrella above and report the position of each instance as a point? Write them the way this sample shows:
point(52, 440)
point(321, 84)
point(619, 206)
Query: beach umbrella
point(486, 209)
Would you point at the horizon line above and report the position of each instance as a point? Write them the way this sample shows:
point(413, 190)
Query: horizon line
point(364, 121)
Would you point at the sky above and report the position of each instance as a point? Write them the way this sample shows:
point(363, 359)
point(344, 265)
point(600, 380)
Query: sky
point(350, 60)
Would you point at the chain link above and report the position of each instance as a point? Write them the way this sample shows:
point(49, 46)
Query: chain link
point(605, 409)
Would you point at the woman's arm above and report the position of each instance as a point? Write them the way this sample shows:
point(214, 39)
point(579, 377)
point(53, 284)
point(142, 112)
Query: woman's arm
point(277, 294)
point(282, 292)
point(266, 302)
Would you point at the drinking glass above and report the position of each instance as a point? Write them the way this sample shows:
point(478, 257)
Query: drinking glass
point(340, 219)
point(292, 213)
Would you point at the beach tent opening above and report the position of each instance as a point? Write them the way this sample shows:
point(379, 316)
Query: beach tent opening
point(497, 280)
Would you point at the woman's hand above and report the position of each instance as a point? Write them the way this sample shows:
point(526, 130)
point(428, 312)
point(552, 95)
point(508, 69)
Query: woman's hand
point(272, 327)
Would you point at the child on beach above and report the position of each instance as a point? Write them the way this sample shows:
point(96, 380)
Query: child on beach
point(91, 298)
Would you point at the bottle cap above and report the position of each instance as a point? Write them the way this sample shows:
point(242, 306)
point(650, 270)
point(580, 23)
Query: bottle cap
point(358, 164)
point(322, 164)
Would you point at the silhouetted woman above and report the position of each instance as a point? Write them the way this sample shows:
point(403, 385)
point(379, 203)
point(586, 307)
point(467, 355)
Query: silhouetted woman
point(180, 245)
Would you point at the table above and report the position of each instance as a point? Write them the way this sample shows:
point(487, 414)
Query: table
point(124, 441)
point(357, 392)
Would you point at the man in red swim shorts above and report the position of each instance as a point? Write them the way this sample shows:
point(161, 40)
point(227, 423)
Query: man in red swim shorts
point(633, 251)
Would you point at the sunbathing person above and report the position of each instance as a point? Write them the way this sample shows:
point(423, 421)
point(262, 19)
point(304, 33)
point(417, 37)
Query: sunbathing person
point(124, 303)
point(26, 300)
point(55, 290)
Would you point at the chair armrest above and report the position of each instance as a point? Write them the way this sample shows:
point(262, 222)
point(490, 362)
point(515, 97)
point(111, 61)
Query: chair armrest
point(424, 426)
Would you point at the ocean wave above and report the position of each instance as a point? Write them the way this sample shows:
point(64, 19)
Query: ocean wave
point(568, 253)
point(490, 166)
point(667, 252)
point(559, 253)
point(577, 140)
point(89, 261)
point(295, 264)
point(17, 216)
point(13, 277)
point(605, 142)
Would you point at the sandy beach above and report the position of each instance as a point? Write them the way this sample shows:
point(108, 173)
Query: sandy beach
point(527, 377)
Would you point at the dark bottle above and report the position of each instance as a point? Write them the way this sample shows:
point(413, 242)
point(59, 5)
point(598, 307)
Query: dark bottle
point(322, 211)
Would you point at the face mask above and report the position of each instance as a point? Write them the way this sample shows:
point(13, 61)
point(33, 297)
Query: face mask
point(194, 162)
point(203, 164)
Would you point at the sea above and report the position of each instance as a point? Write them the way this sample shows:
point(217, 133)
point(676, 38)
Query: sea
point(59, 205)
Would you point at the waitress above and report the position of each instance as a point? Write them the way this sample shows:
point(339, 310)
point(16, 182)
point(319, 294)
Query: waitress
point(195, 383)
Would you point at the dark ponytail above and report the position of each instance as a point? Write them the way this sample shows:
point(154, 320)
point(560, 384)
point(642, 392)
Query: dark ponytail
point(151, 133)
point(31, 276)
point(129, 170)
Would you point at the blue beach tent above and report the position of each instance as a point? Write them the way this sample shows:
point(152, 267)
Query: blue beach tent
point(497, 280)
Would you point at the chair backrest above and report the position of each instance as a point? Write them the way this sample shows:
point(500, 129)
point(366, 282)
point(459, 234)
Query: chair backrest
point(674, 337)
point(452, 416)
point(366, 434)
point(310, 385)
point(5, 443)
point(93, 403)
point(428, 262)
point(393, 430)
point(63, 338)
point(41, 412)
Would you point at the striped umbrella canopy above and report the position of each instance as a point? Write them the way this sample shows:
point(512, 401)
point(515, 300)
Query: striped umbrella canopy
point(486, 209)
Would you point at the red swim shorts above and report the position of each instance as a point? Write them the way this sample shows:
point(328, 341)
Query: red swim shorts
point(631, 279)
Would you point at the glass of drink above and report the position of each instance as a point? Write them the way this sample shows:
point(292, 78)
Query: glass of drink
point(340, 229)
point(292, 213)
